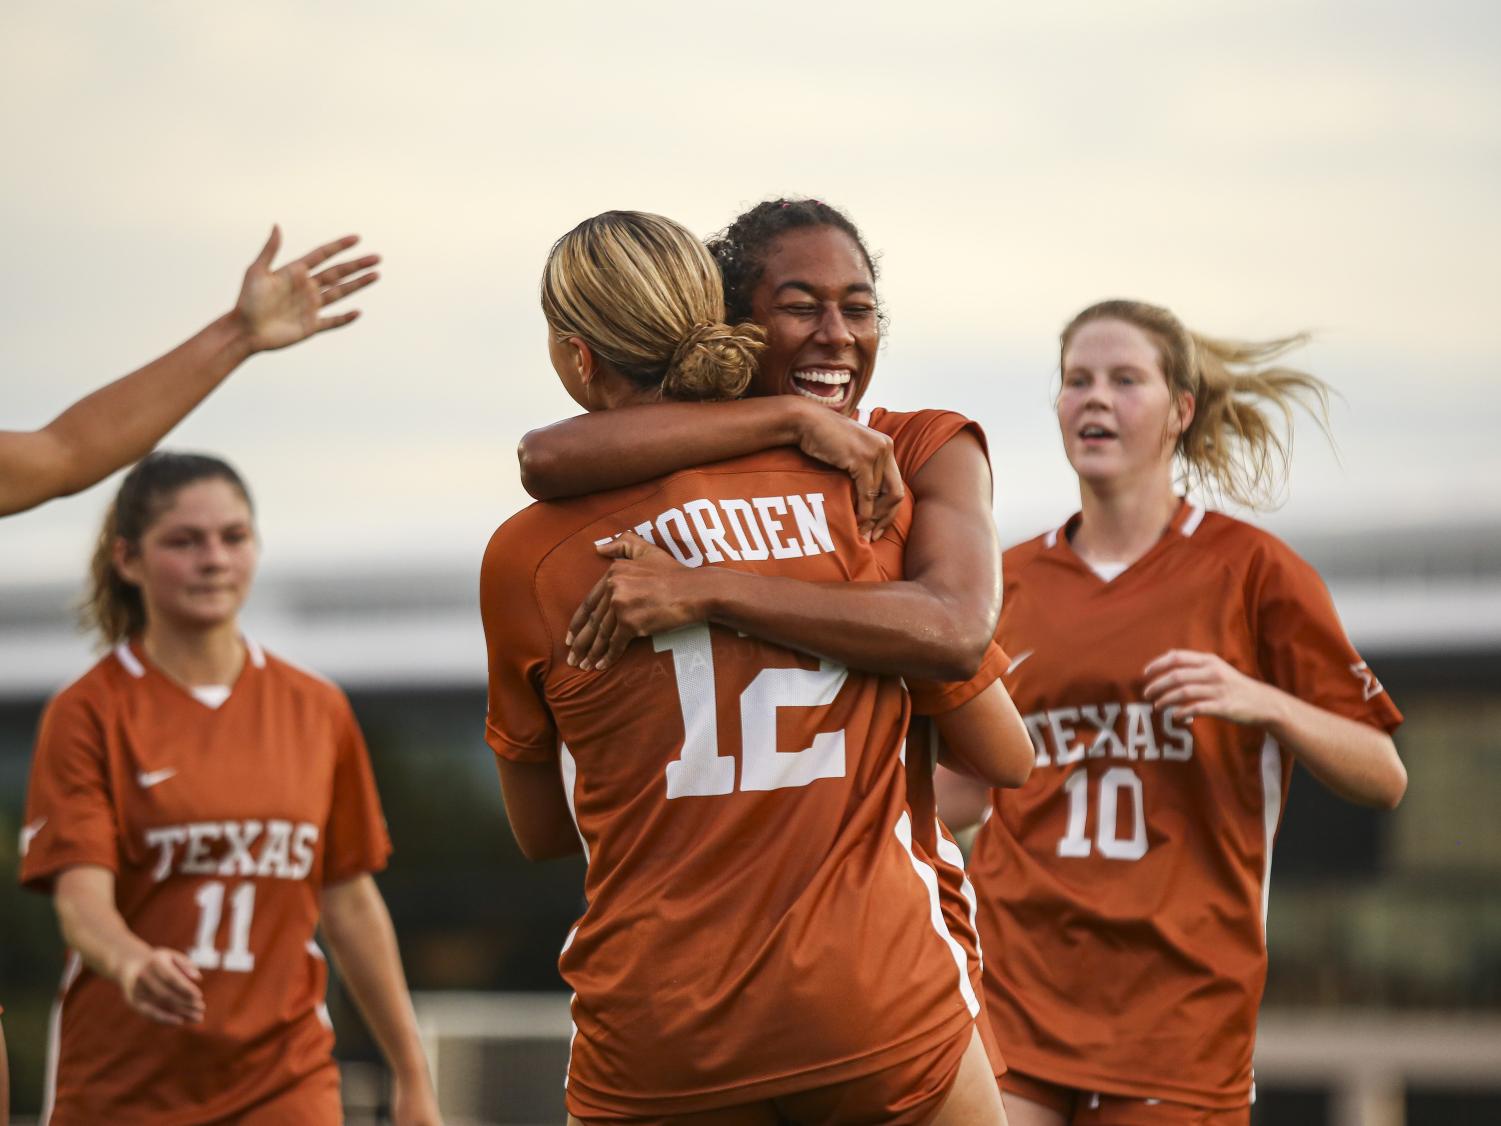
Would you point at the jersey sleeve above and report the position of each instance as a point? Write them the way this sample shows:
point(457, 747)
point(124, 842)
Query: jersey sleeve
point(356, 838)
point(70, 809)
point(917, 435)
point(1302, 647)
point(518, 724)
point(937, 697)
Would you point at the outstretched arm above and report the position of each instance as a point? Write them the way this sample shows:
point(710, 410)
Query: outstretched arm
point(608, 449)
point(935, 624)
point(360, 937)
point(124, 420)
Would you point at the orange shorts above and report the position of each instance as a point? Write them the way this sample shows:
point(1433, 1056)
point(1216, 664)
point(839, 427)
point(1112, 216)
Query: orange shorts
point(1094, 1108)
point(906, 1094)
point(312, 1101)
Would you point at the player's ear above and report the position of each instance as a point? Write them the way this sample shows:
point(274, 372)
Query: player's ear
point(127, 562)
point(586, 362)
point(1185, 413)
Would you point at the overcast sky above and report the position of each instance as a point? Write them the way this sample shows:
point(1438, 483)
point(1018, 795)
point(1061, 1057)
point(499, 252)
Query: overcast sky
point(1259, 167)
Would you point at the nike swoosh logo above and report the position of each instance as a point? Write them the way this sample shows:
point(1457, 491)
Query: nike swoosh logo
point(147, 779)
point(29, 832)
point(1017, 660)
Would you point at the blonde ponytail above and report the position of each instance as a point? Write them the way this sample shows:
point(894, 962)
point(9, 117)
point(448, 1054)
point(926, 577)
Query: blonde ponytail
point(646, 296)
point(1238, 444)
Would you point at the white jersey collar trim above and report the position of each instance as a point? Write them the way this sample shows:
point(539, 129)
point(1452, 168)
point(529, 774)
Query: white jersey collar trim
point(132, 664)
point(1191, 523)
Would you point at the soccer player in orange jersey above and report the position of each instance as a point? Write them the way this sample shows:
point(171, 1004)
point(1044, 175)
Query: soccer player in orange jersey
point(122, 421)
point(761, 944)
point(800, 269)
point(196, 809)
point(1172, 663)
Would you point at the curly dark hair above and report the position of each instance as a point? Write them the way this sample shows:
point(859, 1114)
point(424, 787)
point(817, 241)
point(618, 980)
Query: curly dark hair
point(740, 249)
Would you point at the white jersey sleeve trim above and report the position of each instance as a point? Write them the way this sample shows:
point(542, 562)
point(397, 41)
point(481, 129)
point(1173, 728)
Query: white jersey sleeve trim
point(569, 768)
point(71, 970)
point(1271, 812)
point(949, 853)
point(929, 880)
point(128, 659)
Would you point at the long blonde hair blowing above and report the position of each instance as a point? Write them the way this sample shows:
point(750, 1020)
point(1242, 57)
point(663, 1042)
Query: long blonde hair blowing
point(1239, 442)
point(648, 299)
point(113, 607)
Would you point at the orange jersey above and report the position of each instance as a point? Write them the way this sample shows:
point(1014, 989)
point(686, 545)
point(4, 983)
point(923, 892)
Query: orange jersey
point(1124, 887)
point(221, 825)
point(757, 922)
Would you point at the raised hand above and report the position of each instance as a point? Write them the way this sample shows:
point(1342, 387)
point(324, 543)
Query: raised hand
point(280, 307)
point(866, 455)
point(163, 984)
point(645, 591)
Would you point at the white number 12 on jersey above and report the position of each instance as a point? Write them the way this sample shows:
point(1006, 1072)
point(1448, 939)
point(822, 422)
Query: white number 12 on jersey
point(700, 770)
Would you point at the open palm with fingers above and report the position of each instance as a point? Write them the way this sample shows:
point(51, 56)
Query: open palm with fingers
point(282, 306)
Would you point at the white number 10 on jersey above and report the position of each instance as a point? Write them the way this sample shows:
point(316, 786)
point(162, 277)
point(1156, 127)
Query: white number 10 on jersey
point(700, 770)
point(1117, 783)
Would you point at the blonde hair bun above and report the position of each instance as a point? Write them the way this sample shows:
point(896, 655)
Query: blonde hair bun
point(714, 361)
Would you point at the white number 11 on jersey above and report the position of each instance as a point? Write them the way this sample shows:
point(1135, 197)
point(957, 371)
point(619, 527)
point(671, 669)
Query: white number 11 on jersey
point(700, 770)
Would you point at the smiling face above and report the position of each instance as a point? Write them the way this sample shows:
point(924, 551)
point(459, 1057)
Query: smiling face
point(194, 563)
point(816, 299)
point(1118, 418)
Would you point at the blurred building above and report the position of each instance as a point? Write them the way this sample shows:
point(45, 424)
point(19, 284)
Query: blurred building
point(1375, 918)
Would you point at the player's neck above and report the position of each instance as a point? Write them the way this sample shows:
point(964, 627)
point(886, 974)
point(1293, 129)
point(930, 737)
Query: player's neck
point(196, 658)
point(611, 391)
point(1120, 523)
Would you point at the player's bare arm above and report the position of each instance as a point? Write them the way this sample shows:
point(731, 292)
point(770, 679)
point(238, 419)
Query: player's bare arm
point(608, 449)
point(985, 739)
point(935, 624)
point(537, 810)
point(1355, 760)
point(362, 941)
point(157, 982)
point(121, 422)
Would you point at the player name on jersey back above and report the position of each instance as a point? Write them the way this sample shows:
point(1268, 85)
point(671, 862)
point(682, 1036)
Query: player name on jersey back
point(739, 529)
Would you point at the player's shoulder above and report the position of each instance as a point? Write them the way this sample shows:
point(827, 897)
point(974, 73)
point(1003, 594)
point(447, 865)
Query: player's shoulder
point(1021, 556)
point(1241, 545)
point(106, 681)
point(891, 422)
point(918, 435)
point(519, 545)
point(297, 681)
